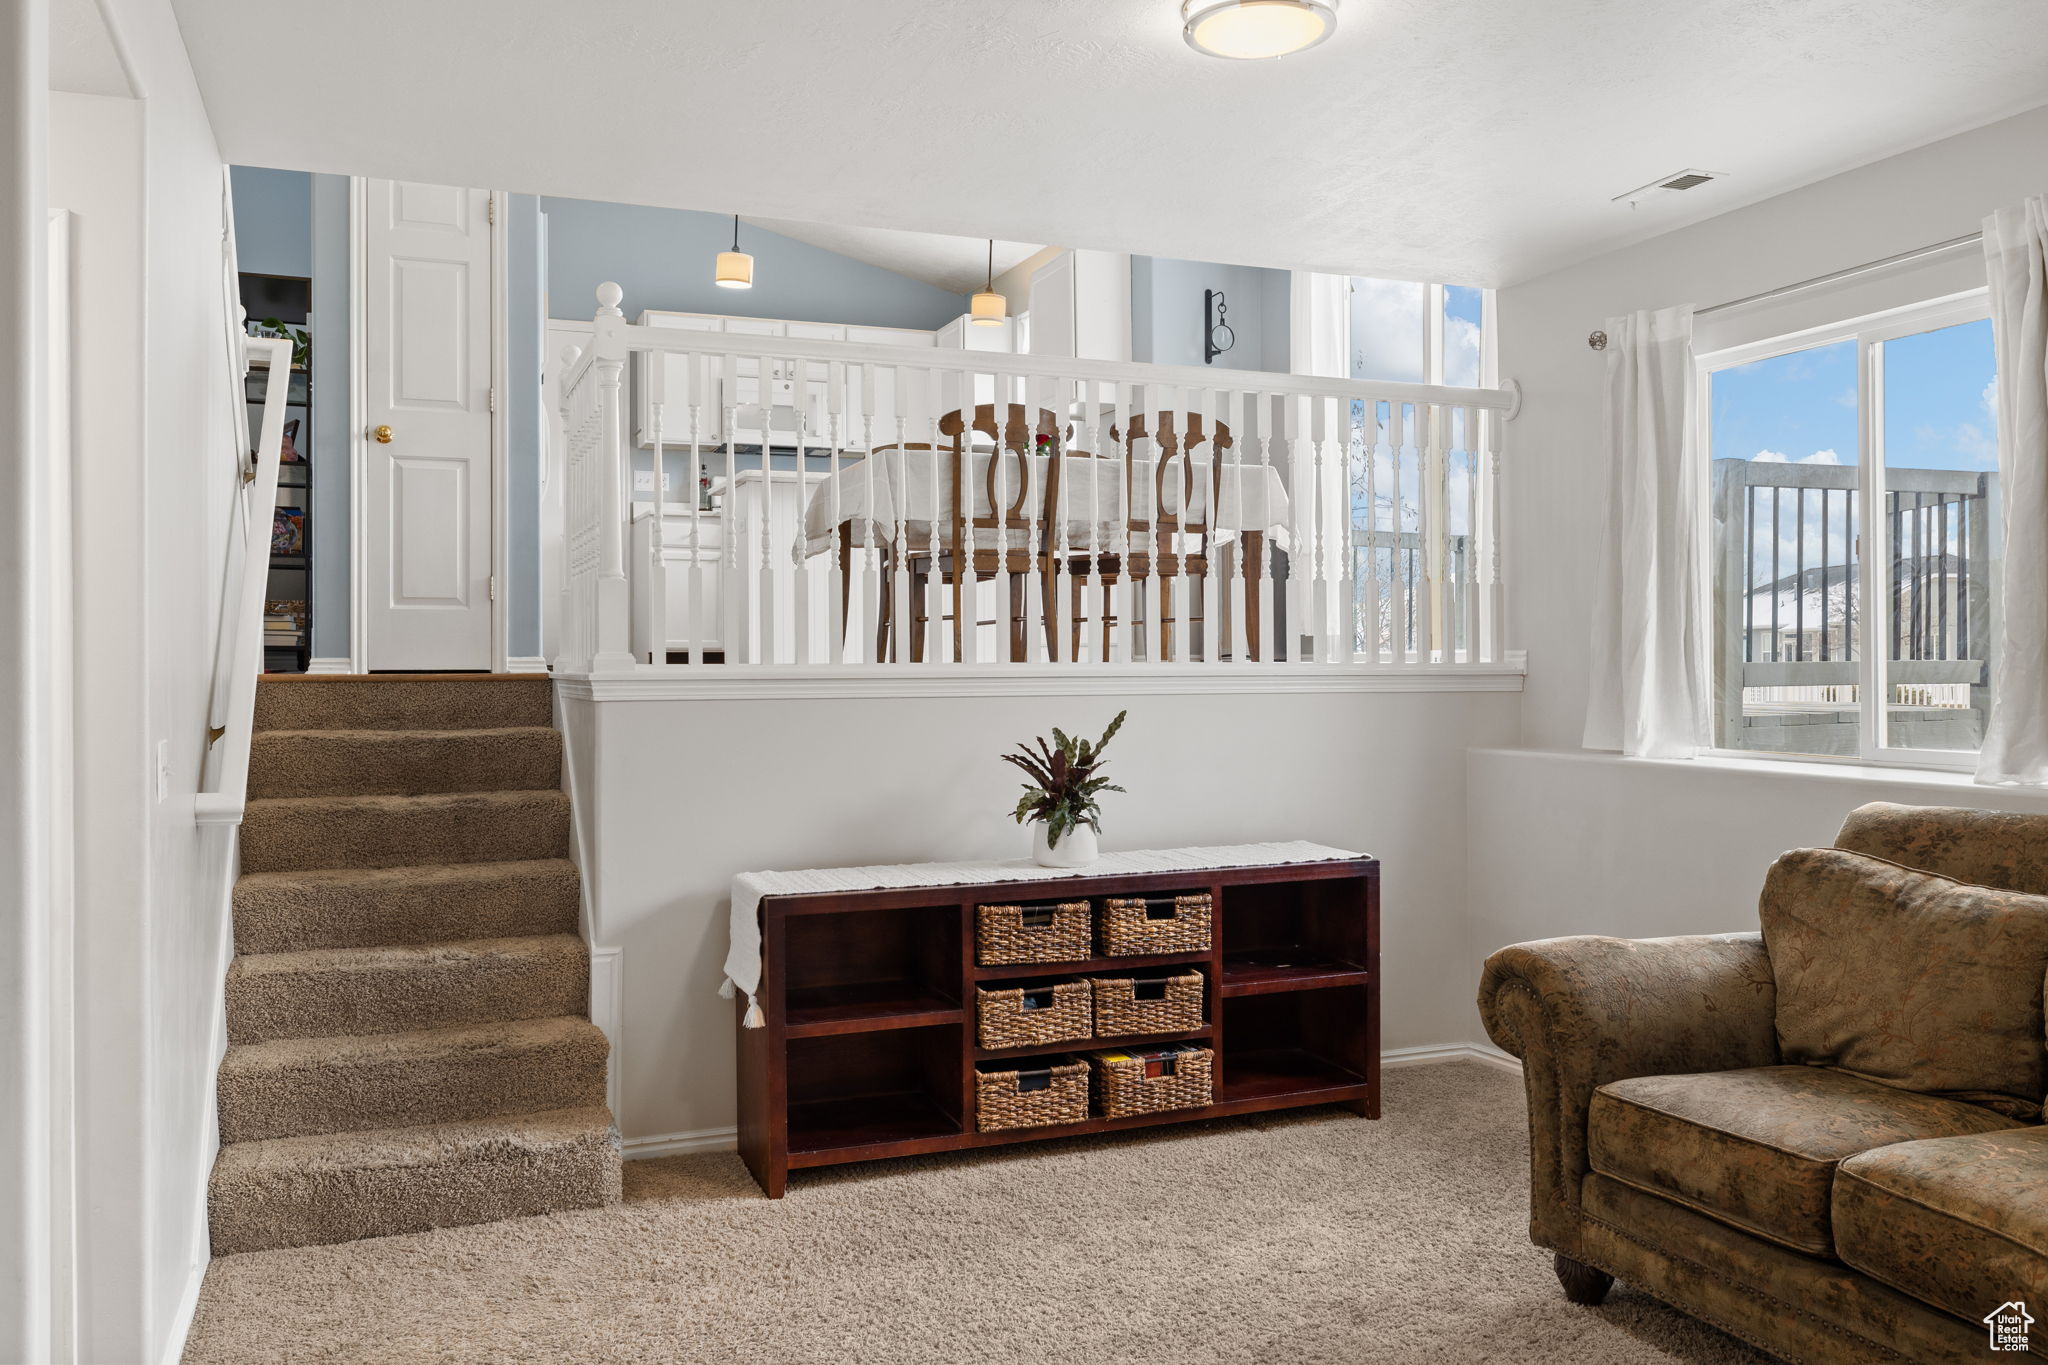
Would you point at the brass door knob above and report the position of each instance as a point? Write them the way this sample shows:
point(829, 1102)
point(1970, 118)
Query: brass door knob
point(381, 435)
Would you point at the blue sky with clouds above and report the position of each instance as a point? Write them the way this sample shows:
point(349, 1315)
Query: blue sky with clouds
point(1938, 411)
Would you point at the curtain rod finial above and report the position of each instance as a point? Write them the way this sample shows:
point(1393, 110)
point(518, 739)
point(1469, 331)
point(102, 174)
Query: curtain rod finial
point(1598, 340)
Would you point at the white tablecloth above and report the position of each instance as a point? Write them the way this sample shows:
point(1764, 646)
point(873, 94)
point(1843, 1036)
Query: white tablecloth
point(918, 485)
point(743, 955)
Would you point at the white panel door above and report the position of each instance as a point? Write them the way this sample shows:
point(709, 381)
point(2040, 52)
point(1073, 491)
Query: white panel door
point(427, 490)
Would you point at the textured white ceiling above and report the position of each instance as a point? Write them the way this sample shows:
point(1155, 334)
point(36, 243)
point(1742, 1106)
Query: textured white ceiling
point(959, 264)
point(83, 60)
point(1476, 141)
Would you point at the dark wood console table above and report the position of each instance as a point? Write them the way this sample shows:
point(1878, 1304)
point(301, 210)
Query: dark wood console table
point(870, 1051)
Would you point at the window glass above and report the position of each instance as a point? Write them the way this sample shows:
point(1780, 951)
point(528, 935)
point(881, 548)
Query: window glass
point(1387, 319)
point(1940, 448)
point(1462, 320)
point(1786, 510)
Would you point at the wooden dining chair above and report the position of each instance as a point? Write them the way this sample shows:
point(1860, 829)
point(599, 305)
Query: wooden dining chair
point(1175, 546)
point(976, 546)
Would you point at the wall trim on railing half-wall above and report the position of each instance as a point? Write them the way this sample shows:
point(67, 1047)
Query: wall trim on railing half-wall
point(719, 682)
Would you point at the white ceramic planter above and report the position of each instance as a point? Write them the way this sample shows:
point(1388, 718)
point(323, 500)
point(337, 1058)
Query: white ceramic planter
point(1078, 847)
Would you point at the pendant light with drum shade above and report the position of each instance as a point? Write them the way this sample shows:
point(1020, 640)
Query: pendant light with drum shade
point(735, 268)
point(988, 308)
point(1247, 30)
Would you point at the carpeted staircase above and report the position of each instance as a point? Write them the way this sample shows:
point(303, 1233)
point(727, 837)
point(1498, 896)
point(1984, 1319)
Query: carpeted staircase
point(408, 1036)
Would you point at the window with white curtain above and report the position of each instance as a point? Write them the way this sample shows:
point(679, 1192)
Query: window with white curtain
point(1855, 536)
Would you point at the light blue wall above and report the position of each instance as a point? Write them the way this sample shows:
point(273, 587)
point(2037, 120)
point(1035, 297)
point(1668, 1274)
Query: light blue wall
point(273, 221)
point(663, 258)
point(328, 254)
point(1166, 313)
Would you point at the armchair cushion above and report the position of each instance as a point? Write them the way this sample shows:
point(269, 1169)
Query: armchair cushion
point(1908, 977)
point(1960, 1223)
point(1757, 1148)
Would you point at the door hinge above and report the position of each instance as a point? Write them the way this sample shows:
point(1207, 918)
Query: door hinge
point(491, 208)
point(494, 398)
point(494, 587)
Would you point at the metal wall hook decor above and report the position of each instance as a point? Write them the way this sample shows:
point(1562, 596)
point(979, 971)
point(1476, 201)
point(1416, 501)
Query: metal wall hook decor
point(1216, 334)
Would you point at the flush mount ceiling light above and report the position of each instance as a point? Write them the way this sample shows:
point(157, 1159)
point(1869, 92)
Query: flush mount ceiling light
point(988, 308)
point(1246, 30)
point(735, 268)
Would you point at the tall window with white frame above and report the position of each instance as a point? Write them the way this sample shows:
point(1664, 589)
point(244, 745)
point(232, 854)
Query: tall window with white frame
point(1839, 632)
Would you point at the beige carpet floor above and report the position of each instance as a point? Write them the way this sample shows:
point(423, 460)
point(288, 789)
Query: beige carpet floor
point(1305, 1239)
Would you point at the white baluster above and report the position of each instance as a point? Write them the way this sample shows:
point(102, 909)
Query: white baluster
point(1341, 538)
point(739, 624)
point(800, 577)
point(1429, 498)
point(1036, 399)
point(653, 608)
point(1094, 602)
point(1062, 468)
point(1496, 599)
point(1236, 601)
point(1469, 586)
point(1318, 594)
point(837, 568)
point(1399, 421)
point(615, 472)
point(1211, 490)
point(1369, 589)
point(1126, 628)
point(937, 651)
point(1267, 638)
point(695, 642)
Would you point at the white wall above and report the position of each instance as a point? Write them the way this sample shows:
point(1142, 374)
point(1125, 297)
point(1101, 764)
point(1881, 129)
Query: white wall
point(1566, 842)
point(155, 466)
point(688, 793)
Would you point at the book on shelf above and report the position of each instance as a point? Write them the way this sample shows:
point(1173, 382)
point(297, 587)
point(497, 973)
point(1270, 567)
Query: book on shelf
point(288, 531)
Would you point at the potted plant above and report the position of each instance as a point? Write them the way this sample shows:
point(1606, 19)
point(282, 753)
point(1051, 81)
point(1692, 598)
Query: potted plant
point(1060, 798)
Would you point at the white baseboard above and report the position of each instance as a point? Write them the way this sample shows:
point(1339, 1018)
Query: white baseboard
point(1449, 1052)
point(328, 666)
point(726, 1139)
point(526, 664)
point(676, 1144)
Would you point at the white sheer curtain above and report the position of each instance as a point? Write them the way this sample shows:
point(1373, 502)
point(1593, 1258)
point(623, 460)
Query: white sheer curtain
point(1651, 670)
point(2016, 262)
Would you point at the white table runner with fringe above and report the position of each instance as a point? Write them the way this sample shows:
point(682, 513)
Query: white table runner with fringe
point(743, 957)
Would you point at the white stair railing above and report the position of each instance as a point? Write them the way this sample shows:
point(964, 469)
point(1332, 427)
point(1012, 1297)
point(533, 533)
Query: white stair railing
point(1346, 524)
point(238, 656)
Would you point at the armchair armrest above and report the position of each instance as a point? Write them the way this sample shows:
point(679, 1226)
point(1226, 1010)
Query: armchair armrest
point(1581, 1012)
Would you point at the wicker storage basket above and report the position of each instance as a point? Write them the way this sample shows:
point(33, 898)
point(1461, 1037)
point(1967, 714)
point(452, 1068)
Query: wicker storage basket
point(1122, 1088)
point(1134, 926)
point(1007, 1096)
point(1154, 1002)
point(1032, 1016)
point(1056, 932)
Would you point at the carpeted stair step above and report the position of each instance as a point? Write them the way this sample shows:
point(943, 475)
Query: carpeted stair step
point(397, 701)
point(404, 762)
point(294, 1087)
point(329, 991)
point(294, 833)
point(304, 1191)
point(286, 912)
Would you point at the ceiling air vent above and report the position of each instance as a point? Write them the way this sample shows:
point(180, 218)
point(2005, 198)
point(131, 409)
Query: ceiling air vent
point(1667, 184)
